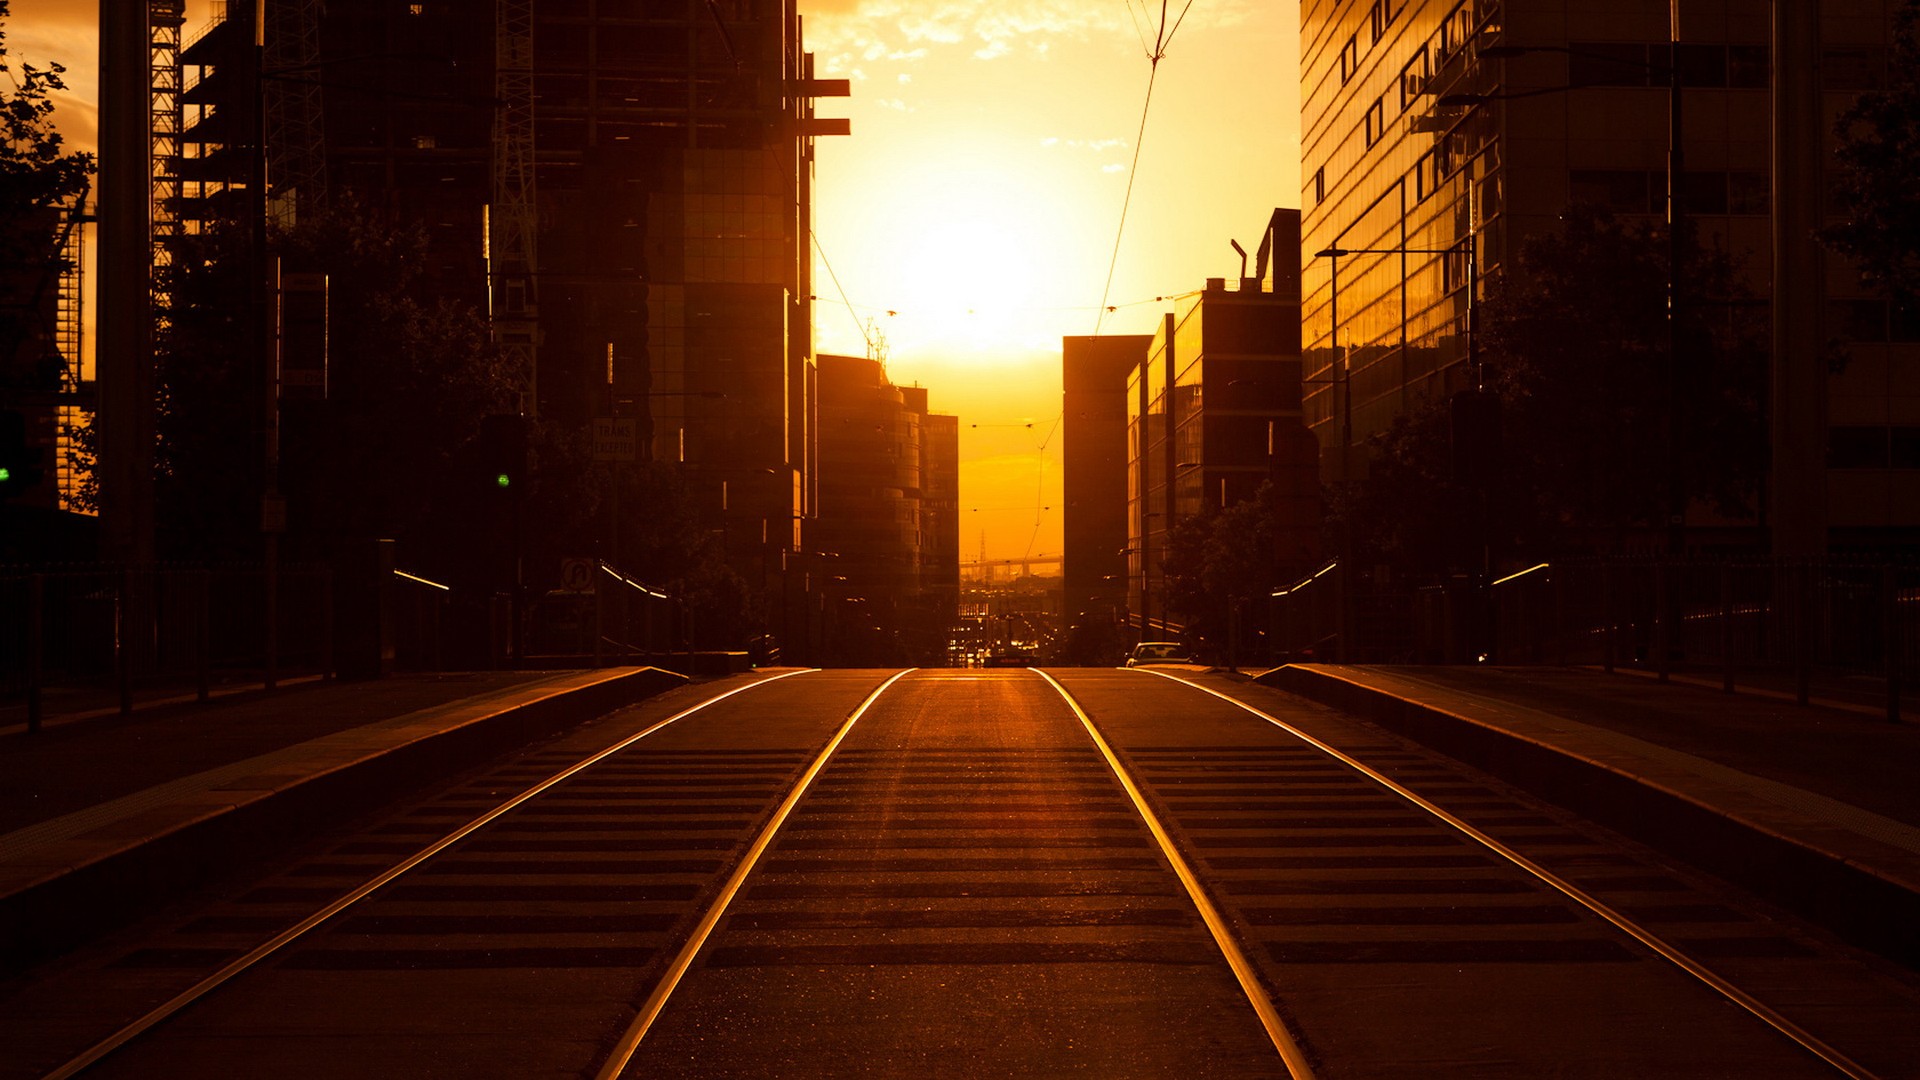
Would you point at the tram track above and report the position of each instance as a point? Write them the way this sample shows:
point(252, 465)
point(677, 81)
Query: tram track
point(1028, 874)
point(1320, 873)
point(705, 785)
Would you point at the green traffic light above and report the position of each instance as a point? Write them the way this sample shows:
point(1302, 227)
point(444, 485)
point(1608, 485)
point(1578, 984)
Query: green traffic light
point(6, 474)
point(503, 480)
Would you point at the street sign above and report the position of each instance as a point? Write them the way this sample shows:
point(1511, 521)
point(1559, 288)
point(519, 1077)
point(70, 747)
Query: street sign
point(615, 439)
point(576, 575)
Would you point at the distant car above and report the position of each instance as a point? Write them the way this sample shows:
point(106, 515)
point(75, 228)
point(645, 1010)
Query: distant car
point(1011, 658)
point(1159, 652)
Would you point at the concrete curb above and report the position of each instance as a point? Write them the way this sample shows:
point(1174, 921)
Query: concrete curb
point(75, 887)
point(1826, 887)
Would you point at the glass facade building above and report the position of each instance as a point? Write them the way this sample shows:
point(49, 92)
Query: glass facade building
point(1426, 165)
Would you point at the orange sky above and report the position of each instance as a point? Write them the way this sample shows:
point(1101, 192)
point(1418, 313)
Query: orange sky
point(979, 195)
point(981, 190)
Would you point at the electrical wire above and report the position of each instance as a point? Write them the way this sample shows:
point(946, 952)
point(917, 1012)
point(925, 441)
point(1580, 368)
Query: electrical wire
point(835, 278)
point(1161, 41)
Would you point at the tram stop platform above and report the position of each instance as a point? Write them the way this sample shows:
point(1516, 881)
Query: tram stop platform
point(1816, 807)
point(105, 815)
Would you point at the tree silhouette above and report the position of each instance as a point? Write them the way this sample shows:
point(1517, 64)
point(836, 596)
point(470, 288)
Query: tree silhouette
point(41, 185)
point(1878, 158)
point(1575, 343)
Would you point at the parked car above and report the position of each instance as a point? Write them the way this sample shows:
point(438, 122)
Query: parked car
point(1159, 652)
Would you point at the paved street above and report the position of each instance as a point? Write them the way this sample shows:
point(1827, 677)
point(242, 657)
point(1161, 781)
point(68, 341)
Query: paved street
point(833, 874)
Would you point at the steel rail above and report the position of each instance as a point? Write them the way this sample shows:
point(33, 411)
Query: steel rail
point(1695, 968)
point(1243, 970)
point(656, 1002)
point(213, 982)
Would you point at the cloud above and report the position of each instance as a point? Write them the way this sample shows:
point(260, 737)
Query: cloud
point(987, 28)
point(1113, 168)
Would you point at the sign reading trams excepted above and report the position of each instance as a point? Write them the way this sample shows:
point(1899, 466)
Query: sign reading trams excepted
point(615, 440)
point(303, 337)
point(576, 575)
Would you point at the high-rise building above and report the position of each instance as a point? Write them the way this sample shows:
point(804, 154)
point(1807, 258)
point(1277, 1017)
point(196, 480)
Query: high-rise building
point(623, 186)
point(1213, 412)
point(939, 512)
point(886, 539)
point(869, 520)
point(1093, 443)
point(1441, 133)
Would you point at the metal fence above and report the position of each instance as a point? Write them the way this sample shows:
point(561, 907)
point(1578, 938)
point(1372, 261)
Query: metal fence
point(1845, 630)
point(113, 630)
point(609, 618)
point(1328, 616)
point(1850, 629)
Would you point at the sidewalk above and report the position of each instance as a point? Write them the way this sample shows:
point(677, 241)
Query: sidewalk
point(105, 816)
point(1816, 807)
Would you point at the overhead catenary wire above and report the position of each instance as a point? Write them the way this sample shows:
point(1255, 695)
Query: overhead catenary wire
point(835, 278)
point(1162, 39)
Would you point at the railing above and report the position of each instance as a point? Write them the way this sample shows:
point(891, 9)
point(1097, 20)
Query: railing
point(420, 622)
point(1849, 630)
point(608, 617)
point(1308, 617)
point(110, 631)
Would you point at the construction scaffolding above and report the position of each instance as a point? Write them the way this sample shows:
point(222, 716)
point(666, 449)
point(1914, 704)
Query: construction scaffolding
point(514, 217)
point(164, 18)
point(291, 85)
point(69, 337)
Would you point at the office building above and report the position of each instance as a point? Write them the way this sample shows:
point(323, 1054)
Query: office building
point(1093, 445)
point(1438, 134)
point(1213, 412)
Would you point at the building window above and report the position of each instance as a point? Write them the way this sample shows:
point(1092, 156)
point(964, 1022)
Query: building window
point(1455, 29)
point(1622, 191)
point(1377, 21)
point(1376, 121)
point(1857, 448)
point(1853, 68)
point(424, 142)
point(1423, 179)
point(1858, 320)
point(1748, 67)
point(1349, 59)
point(1906, 447)
point(1598, 63)
point(1319, 185)
point(1413, 79)
point(1748, 193)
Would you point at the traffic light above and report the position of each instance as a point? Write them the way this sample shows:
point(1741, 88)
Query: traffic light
point(20, 469)
point(503, 452)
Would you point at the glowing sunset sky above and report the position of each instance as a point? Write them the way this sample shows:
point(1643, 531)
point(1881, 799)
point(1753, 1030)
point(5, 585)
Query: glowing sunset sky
point(979, 195)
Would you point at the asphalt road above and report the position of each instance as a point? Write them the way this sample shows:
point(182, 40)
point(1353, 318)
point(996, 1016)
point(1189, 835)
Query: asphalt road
point(966, 887)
